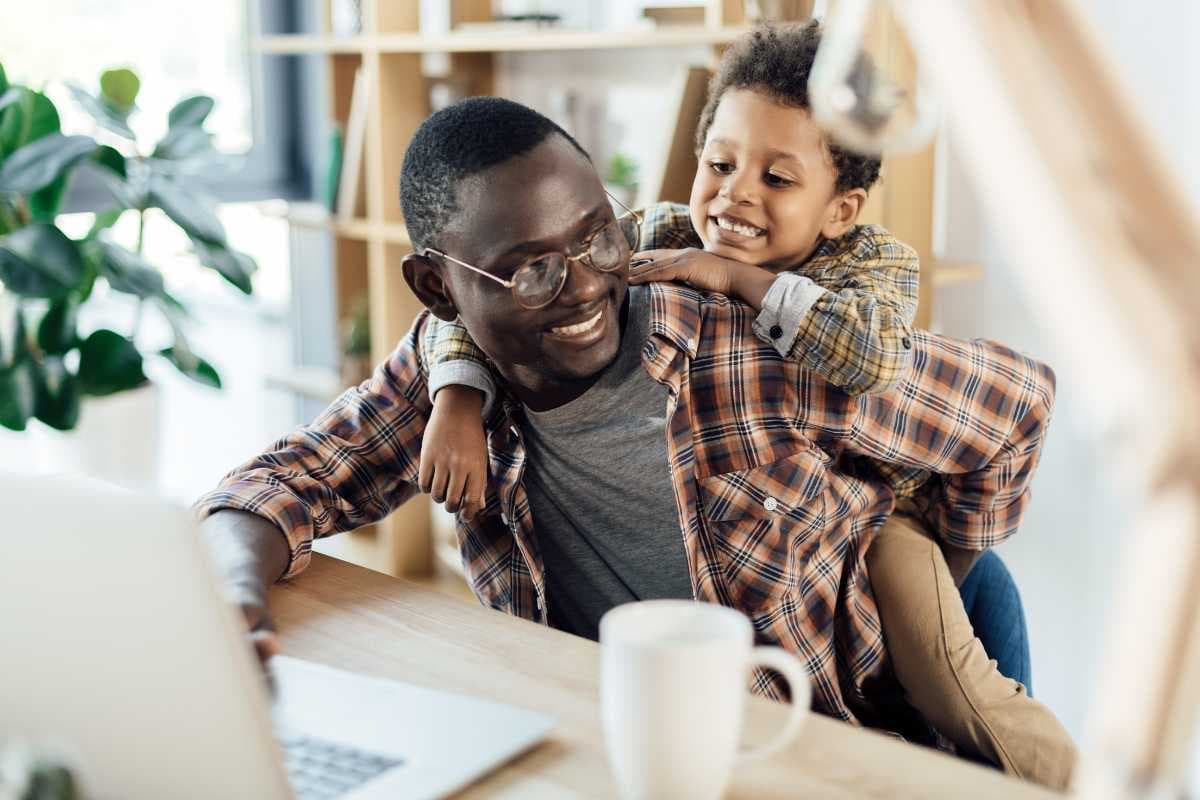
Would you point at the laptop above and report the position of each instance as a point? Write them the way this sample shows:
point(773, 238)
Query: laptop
point(119, 657)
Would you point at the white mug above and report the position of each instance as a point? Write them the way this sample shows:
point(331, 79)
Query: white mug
point(673, 686)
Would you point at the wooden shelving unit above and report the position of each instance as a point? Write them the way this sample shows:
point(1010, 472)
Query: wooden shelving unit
point(369, 247)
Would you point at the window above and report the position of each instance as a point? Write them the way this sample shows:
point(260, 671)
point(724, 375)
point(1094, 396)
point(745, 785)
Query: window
point(176, 49)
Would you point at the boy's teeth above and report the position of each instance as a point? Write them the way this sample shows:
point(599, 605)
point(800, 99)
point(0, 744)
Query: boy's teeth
point(582, 327)
point(737, 227)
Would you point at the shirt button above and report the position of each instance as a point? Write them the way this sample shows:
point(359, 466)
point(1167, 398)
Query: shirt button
point(770, 504)
point(504, 517)
point(776, 331)
point(907, 342)
point(691, 344)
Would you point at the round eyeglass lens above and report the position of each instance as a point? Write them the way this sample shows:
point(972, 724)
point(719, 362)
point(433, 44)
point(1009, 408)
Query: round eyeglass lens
point(536, 284)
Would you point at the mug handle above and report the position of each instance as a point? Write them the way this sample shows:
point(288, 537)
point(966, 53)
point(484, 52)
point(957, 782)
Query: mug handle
point(791, 668)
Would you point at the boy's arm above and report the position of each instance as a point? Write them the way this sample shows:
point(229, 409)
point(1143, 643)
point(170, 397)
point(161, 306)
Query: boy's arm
point(455, 360)
point(851, 320)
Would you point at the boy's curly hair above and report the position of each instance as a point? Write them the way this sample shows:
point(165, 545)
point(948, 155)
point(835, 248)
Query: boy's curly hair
point(776, 60)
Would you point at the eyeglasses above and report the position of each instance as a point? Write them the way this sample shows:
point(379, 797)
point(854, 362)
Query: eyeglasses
point(539, 281)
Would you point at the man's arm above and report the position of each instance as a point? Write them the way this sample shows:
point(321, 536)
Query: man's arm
point(349, 467)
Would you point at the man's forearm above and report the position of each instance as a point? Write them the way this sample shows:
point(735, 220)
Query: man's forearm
point(250, 552)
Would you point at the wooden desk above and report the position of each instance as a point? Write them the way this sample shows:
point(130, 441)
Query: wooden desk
point(365, 621)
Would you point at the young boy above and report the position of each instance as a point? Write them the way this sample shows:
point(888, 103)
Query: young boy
point(774, 208)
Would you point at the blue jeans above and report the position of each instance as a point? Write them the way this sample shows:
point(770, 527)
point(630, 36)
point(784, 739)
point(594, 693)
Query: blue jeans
point(993, 605)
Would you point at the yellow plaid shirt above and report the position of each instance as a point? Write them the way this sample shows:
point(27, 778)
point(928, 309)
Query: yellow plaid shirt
point(772, 470)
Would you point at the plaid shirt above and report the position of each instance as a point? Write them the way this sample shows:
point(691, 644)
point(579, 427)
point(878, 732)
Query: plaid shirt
point(771, 467)
point(857, 335)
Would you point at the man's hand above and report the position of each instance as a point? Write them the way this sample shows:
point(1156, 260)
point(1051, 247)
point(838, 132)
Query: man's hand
point(250, 554)
point(697, 268)
point(454, 455)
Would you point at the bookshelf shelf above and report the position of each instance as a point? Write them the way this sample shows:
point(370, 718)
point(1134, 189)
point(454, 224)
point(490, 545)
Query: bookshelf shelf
point(684, 36)
point(955, 273)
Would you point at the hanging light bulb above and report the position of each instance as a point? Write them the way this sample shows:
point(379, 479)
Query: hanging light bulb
point(864, 105)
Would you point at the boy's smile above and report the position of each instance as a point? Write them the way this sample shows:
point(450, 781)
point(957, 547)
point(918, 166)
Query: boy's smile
point(764, 188)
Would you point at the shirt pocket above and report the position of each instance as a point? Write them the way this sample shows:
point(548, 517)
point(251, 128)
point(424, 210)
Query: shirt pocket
point(763, 524)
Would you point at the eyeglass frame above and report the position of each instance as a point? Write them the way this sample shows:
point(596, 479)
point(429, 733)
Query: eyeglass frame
point(586, 246)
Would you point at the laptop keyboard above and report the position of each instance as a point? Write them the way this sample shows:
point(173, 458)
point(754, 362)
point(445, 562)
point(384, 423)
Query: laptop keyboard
point(321, 770)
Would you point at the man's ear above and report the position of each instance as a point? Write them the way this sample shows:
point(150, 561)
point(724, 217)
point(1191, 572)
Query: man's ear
point(425, 280)
point(842, 212)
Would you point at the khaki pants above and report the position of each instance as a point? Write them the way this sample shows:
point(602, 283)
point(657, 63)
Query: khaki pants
point(945, 673)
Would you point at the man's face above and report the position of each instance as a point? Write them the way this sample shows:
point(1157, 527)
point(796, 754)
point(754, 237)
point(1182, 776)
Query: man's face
point(765, 183)
point(548, 200)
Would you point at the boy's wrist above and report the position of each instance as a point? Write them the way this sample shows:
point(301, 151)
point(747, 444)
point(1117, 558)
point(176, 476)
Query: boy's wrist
point(750, 283)
point(459, 397)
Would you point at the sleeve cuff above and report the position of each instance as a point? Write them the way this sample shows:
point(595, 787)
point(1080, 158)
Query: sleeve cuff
point(784, 307)
point(273, 504)
point(462, 372)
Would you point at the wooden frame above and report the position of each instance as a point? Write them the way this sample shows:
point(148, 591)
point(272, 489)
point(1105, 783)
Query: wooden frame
point(1108, 248)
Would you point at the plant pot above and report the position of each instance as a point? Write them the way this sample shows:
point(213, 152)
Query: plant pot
point(116, 440)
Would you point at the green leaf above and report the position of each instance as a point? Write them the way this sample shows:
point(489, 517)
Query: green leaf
point(29, 119)
point(110, 158)
point(193, 366)
point(109, 363)
point(120, 88)
point(45, 202)
point(100, 111)
point(56, 332)
point(190, 112)
point(233, 266)
point(181, 143)
point(56, 395)
point(103, 221)
point(3, 80)
point(40, 261)
point(38, 163)
point(8, 97)
point(128, 272)
point(18, 395)
point(189, 210)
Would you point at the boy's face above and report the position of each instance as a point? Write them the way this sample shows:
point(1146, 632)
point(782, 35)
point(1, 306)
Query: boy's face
point(764, 188)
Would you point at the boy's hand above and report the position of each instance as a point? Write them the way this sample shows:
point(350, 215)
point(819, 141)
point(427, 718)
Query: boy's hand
point(454, 462)
point(703, 270)
point(697, 268)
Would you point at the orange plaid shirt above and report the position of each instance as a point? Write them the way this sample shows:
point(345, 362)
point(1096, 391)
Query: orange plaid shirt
point(779, 477)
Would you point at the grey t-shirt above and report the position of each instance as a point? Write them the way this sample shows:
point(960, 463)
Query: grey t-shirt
point(599, 487)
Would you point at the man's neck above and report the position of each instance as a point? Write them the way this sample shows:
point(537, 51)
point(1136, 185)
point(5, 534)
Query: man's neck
point(541, 392)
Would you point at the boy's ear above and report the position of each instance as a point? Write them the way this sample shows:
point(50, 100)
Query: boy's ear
point(425, 279)
point(842, 212)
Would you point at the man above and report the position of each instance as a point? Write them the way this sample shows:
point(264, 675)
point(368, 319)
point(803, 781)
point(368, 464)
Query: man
point(646, 443)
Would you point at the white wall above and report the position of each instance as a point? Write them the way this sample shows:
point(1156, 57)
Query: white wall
point(1066, 557)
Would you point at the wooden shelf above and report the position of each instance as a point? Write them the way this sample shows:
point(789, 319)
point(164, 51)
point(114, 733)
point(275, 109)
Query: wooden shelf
point(301, 44)
point(956, 273)
point(498, 42)
point(364, 229)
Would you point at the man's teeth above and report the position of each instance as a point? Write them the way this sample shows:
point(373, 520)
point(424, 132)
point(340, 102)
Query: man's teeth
point(738, 227)
point(582, 327)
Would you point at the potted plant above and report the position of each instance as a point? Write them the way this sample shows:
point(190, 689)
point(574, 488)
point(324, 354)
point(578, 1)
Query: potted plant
point(48, 365)
point(622, 179)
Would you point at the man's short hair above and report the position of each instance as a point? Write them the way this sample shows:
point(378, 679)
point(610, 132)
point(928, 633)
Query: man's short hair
point(777, 60)
point(458, 141)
